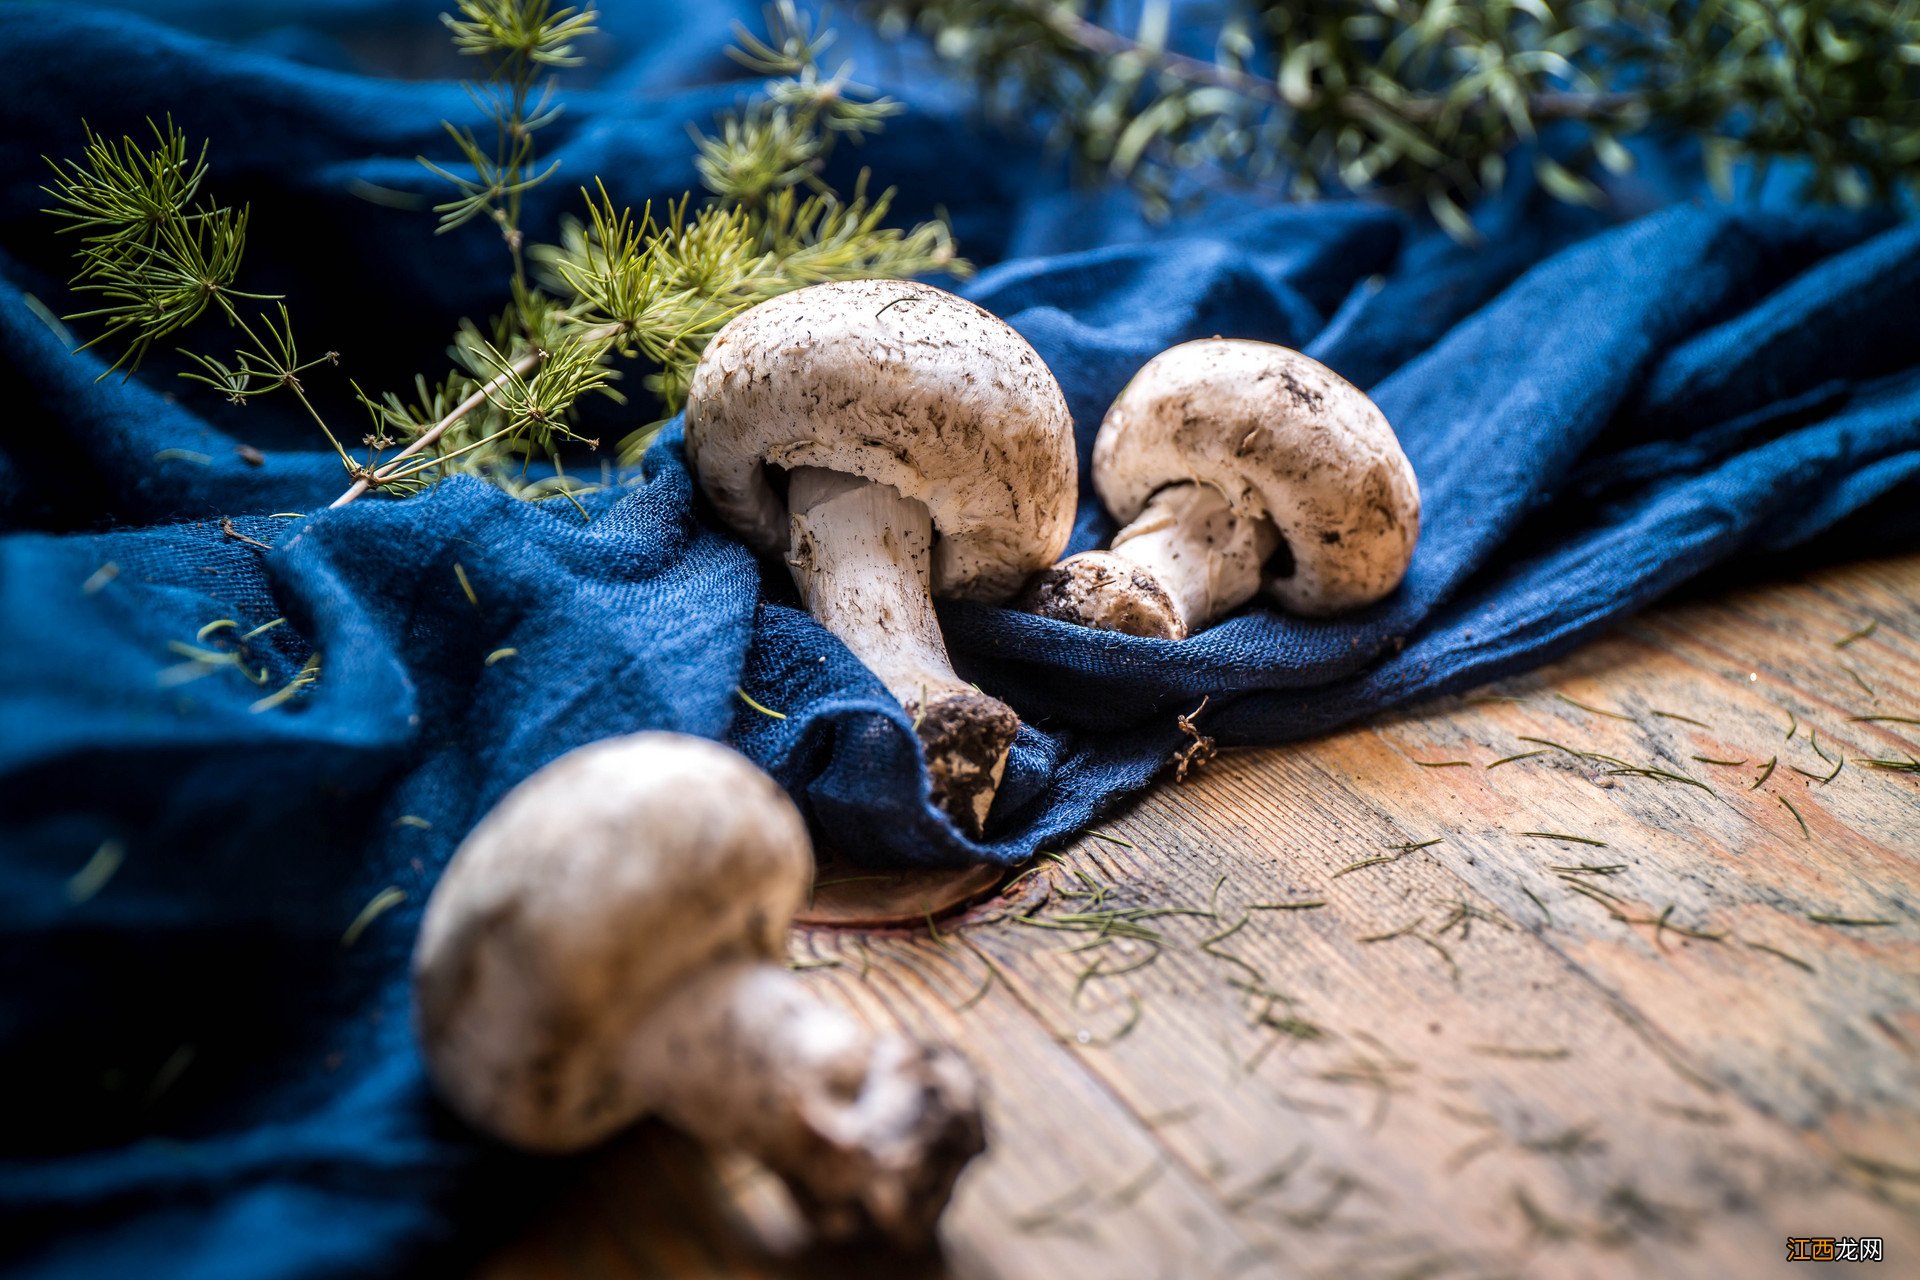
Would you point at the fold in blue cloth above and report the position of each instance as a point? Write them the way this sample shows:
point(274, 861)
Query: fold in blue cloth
point(200, 1079)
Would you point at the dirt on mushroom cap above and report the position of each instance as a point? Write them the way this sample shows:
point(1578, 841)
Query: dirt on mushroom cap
point(905, 385)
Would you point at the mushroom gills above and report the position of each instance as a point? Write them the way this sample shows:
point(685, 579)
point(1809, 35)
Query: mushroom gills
point(861, 554)
point(1186, 559)
point(867, 1131)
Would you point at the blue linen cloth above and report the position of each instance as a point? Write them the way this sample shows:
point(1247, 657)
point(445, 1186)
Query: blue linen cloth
point(200, 1079)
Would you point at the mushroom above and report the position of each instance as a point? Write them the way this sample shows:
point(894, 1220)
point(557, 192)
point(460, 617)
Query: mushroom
point(1234, 462)
point(609, 943)
point(895, 442)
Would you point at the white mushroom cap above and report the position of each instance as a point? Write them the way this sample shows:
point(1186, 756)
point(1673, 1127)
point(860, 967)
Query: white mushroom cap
point(904, 385)
point(1282, 437)
point(583, 899)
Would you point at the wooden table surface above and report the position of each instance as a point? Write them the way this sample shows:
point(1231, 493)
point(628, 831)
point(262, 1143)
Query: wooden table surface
point(1403, 1033)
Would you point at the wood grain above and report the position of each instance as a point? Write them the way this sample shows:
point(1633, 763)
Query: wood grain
point(1325, 1051)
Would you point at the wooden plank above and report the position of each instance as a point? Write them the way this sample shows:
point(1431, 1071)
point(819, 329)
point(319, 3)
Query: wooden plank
point(1466, 1062)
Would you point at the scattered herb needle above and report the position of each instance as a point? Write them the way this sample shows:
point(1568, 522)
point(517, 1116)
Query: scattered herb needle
point(92, 878)
point(413, 820)
point(1576, 753)
point(1112, 839)
point(1861, 681)
point(1693, 1115)
point(1538, 903)
point(1561, 835)
point(1403, 931)
point(466, 585)
point(986, 985)
point(1804, 833)
point(1776, 952)
point(1766, 771)
point(761, 707)
point(1882, 1168)
point(822, 884)
point(1553, 1053)
point(100, 578)
point(1124, 1195)
point(1444, 764)
point(1055, 1212)
point(1793, 725)
point(1125, 1029)
point(1861, 634)
point(382, 902)
point(1378, 860)
point(1674, 715)
point(1730, 764)
point(1213, 939)
point(1856, 922)
point(1524, 755)
point(1886, 720)
point(1609, 902)
point(1598, 711)
point(1823, 779)
point(1909, 765)
point(1309, 905)
point(291, 689)
point(1663, 924)
point(1659, 775)
point(1412, 845)
point(501, 655)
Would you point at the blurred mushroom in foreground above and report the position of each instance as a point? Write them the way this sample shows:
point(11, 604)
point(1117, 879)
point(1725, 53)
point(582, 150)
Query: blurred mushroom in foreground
point(609, 944)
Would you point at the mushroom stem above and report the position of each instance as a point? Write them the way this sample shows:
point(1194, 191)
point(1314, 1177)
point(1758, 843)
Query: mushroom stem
point(860, 554)
point(866, 1130)
point(1184, 561)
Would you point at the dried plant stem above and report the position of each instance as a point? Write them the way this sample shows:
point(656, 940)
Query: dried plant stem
point(426, 439)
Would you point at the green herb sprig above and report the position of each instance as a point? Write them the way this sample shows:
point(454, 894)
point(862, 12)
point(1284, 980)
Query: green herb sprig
point(1433, 101)
point(617, 287)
